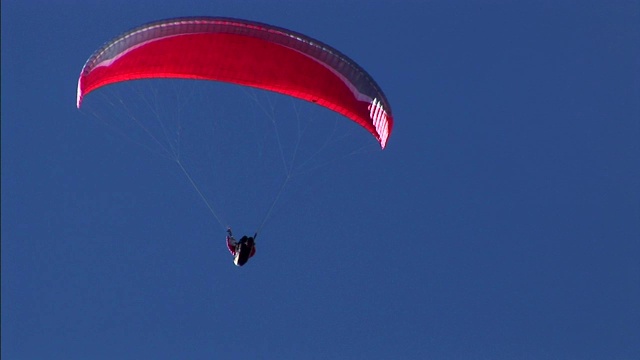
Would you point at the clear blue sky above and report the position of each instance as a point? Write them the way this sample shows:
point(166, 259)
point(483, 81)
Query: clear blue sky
point(502, 221)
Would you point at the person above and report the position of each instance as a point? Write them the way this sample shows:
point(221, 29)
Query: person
point(241, 250)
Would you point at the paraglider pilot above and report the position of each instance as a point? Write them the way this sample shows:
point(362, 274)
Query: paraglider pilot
point(241, 250)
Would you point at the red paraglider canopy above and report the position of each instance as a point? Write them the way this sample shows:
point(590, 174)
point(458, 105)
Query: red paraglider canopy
point(246, 53)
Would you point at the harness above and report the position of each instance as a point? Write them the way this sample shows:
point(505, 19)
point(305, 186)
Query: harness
point(243, 250)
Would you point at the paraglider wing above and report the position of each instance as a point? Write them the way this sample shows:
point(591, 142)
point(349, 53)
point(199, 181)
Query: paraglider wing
point(245, 53)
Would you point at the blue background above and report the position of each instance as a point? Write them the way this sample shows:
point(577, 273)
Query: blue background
point(502, 221)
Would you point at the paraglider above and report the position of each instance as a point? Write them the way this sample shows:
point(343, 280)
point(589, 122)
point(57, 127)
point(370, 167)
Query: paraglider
point(244, 53)
point(241, 250)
